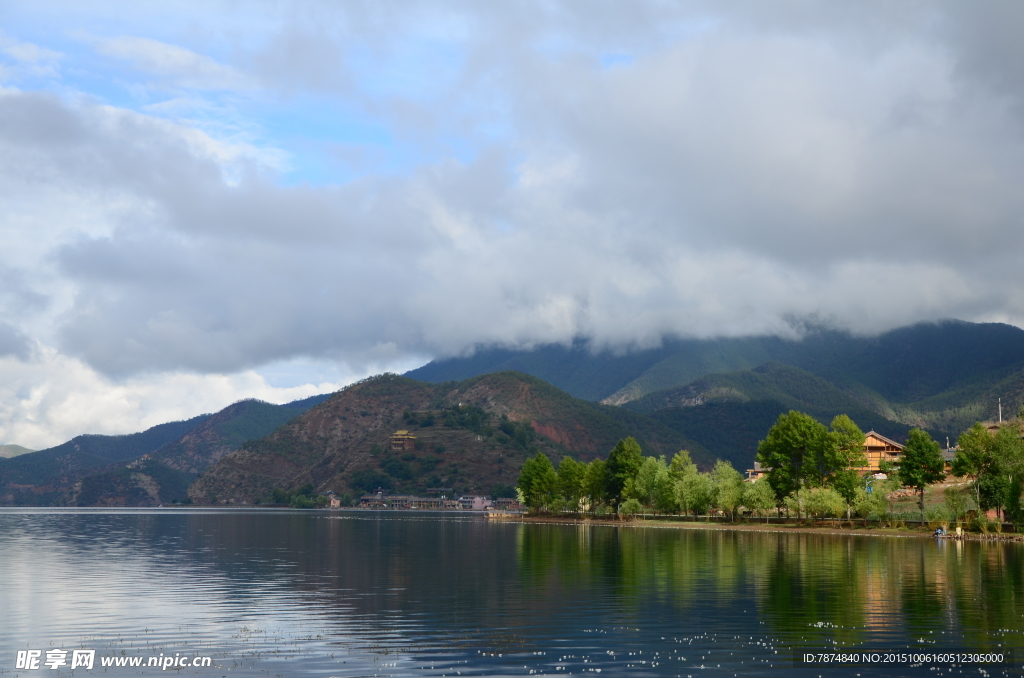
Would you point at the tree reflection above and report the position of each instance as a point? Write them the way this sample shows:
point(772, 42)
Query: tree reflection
point(818, 589)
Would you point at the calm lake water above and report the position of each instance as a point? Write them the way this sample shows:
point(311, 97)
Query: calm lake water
point(296, 593)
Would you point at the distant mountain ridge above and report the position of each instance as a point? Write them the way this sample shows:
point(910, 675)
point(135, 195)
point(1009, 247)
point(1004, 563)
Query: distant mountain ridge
point(11, 451)
point(91, 468)
point(941, 375)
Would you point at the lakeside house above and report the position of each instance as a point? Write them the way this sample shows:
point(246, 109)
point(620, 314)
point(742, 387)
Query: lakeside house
point(474, 503)
point(877, 448)
point(382, 500)
point(402, 441)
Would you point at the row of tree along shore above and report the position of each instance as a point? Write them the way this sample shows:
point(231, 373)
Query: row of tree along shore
point(812, 472)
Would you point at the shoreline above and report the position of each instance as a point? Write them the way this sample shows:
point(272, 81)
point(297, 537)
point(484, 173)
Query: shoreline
point(850, 531)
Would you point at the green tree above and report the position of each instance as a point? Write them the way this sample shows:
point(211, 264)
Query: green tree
point(958, 502)
point(538, 482)
point(728, 487)
point(1008, 471)
point(623, 464)
point(824, 502)
point(759, 497)
point(849, 444)
point(795, 451)
point(630, 507)
point(695, 493)
point(866, 503)
point(921, 463)
point(570, 481)
point(665, 493)
point(681, 465)
point(644, 486)
point(595, 483)
point(974, 457)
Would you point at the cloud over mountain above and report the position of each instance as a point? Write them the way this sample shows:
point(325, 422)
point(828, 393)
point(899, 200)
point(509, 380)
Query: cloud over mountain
point(373, 183)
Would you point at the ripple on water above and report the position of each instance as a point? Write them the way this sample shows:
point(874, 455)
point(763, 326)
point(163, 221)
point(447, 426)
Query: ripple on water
point(356, 594)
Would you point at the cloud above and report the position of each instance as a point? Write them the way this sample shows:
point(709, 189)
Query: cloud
point(13, 342)
point(735, 167)
point(175, 65)
point(53, 398)
point(25, 60)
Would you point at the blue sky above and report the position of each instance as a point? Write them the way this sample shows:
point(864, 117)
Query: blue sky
point(209, 201)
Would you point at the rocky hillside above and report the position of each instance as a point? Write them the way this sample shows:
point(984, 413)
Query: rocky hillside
point(471, 436)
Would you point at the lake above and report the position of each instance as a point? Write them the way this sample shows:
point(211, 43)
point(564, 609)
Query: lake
point(357, 593)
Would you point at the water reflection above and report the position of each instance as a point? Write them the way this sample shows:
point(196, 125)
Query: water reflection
point(817, 589)
point(354, 593)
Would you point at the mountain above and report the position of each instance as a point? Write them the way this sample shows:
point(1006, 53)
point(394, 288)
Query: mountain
point(471, 436)
point(728, 414)
point(145, 482)
point(44, 477)
point(11, 451)
point(123, 447)
point(225, 431)
point(90, 469)
point(599, 375)
point(942, 376)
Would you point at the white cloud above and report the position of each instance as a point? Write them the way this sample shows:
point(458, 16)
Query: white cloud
point(741, 168)
point(180, 67)
point(25, 59)
point(53, 398)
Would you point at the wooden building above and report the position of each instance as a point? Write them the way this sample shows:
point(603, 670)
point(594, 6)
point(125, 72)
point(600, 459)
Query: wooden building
point(878, 448)
point(402, 440)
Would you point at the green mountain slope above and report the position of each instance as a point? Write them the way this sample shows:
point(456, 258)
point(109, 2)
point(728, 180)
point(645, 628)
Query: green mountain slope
point(728, 414)
point(574, 369)
point(905, 365)
point(790, 386)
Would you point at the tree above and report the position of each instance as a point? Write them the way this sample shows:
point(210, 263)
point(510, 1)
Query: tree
point(849, 442)
point(794, 451)
point(681, 465)
point(728, 487)
point(1008, 471)
point(538, 482)
point(644, 485)
point(866, 503)
point(974, 457)
point(921, 463)
point(958, 502)
point(694, 493)
point(824, 502)
point(570, 481)
point(759, 497)
point(595, 482)
point(630, 507)
point(623, 464)
point(665, 493)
